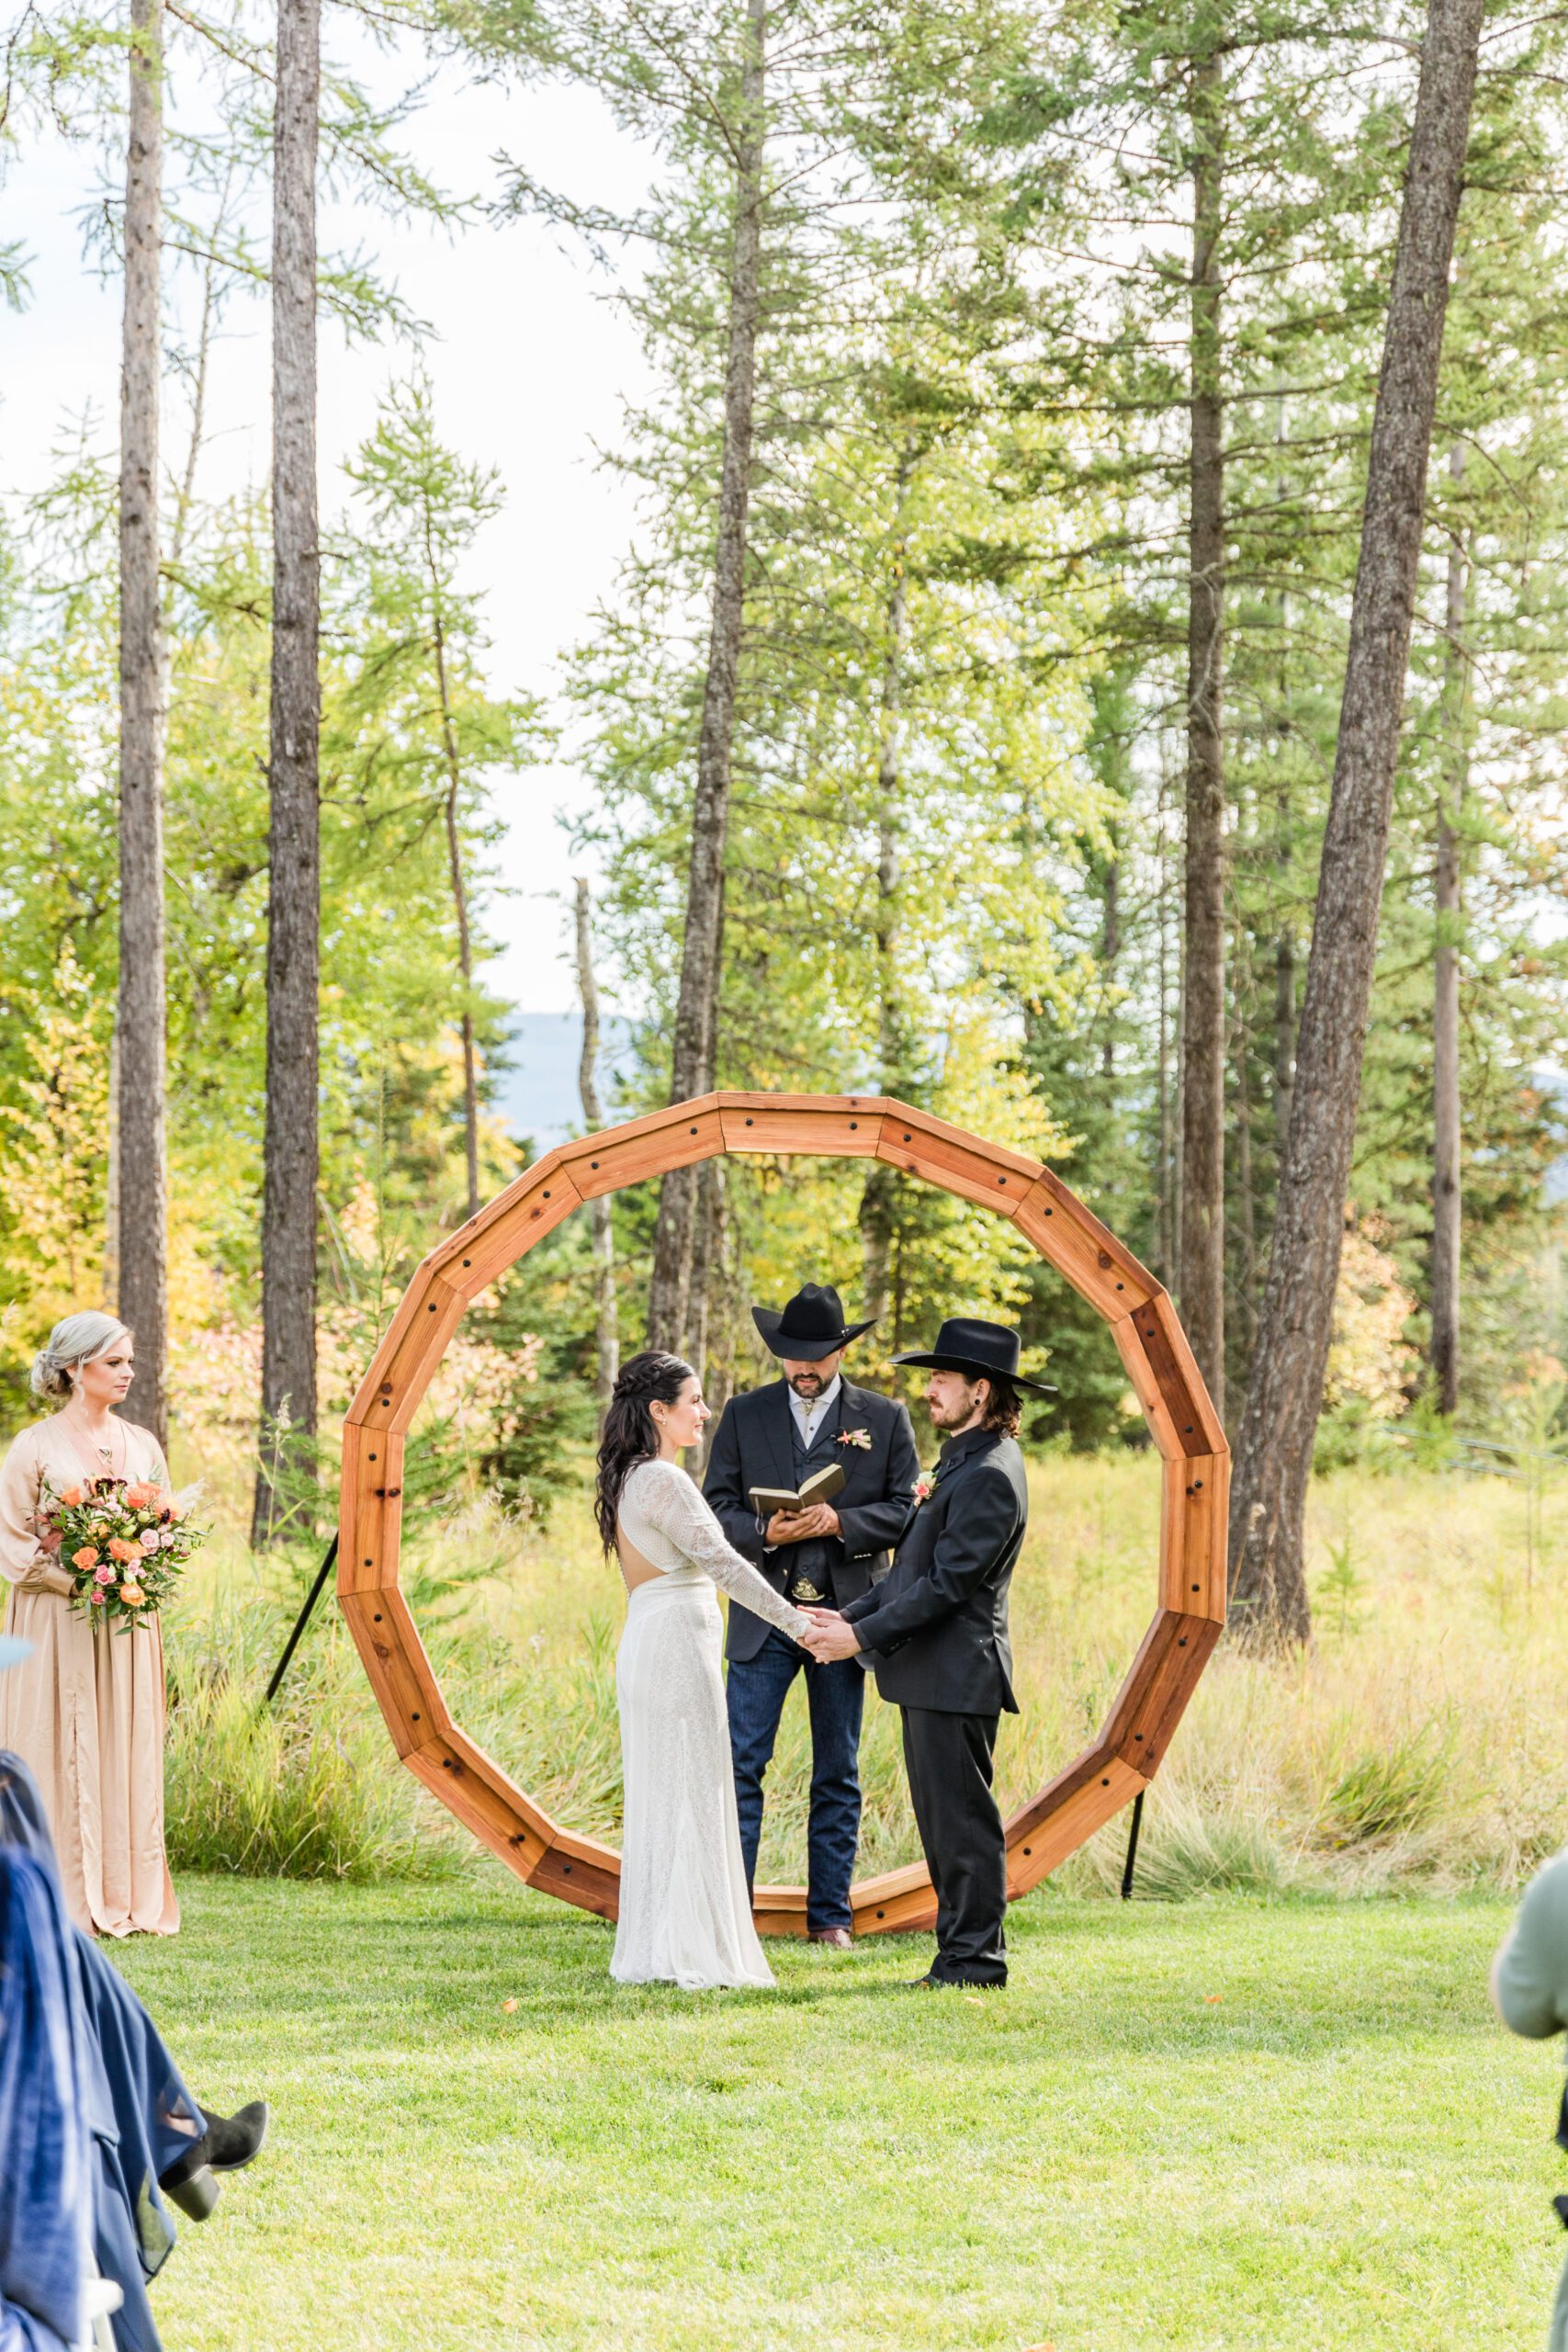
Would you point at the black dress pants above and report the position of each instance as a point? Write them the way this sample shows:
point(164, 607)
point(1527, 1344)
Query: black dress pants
point(948, 1758)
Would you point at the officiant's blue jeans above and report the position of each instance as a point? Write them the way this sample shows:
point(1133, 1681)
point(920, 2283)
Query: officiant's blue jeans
point(835, 1697)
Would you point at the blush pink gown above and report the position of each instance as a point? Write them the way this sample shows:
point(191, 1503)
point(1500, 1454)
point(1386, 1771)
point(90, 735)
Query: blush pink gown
point(85, 1711)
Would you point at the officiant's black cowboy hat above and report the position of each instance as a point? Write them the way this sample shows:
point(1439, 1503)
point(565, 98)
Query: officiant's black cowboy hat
point(990, 1350)
point(812, 1325)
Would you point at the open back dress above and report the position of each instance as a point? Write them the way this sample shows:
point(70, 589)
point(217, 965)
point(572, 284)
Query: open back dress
point(685, 1908)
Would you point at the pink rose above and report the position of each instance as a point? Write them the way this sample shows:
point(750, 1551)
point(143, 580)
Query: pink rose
point(103, 1573)
point(149, 1538)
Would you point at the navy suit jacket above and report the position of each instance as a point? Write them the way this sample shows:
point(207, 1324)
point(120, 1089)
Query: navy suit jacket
point(938, 1624)
point(753, 1446)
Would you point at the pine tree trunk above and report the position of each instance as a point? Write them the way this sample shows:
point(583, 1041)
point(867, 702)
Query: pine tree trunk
point(293, 947)
point(1109, 949)
point(1285, 1394)
point(1245, 1205)
point(1202, 1259)
point(111, 1184)
point(599, 1222)
point(695, 1008)
point(1166, 1140)
point(1446, 1130)
point(1179, 1118)
point(878, 1193)
point(1284, 1039)
point(1285, 938)
point(459, 885)
point(141, 1168)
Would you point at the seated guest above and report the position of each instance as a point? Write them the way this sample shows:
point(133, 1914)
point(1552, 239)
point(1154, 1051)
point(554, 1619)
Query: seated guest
point(149, 2138)
point(1530, 1987)
point(45, 2182)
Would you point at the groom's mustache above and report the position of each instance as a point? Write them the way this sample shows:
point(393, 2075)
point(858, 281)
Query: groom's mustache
point(806, 1384)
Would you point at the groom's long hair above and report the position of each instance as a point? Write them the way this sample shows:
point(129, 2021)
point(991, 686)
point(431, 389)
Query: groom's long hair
point(630, 1436)
point(1003, 1412)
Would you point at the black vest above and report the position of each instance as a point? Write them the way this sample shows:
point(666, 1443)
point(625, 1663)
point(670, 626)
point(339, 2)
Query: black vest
point(810, 1564)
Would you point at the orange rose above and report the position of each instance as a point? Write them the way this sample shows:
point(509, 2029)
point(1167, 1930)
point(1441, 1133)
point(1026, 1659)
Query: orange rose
point(72, 1498)
point(86, 1558)
point(133, 1595)
point(140, 1495)
point(120, 1549)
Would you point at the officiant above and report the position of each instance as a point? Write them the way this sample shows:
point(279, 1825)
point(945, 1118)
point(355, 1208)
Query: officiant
point(778, 1436)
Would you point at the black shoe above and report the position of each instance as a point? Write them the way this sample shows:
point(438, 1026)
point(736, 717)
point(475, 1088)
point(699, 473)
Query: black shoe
point(232, 2141)
point(930, 1983)
point(194, 2191)
point(228, 2143)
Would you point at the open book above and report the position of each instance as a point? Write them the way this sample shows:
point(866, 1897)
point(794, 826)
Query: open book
point(820, 1488)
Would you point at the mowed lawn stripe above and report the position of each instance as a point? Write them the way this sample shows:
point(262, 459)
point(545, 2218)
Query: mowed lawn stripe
point(1227, 2123)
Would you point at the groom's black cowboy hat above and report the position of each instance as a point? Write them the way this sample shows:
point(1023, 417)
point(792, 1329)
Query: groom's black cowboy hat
point(812, 1325)
point(986, 1349)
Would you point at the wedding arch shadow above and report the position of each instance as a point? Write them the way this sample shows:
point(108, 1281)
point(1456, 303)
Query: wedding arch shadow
point(1190, 1605)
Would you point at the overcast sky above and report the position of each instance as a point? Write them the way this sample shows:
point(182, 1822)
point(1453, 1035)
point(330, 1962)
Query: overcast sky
point(529, 364)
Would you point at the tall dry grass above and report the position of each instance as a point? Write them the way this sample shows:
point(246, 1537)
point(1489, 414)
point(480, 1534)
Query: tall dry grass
point(1420, 1743)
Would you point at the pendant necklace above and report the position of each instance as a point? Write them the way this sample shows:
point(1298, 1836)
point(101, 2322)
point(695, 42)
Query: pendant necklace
point(106, 1453)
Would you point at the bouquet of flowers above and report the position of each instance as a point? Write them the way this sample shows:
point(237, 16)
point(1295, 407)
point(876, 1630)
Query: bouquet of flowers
point(123, 1542)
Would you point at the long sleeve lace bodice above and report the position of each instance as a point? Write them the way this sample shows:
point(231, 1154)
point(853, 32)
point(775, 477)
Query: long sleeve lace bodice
point(666, 1519)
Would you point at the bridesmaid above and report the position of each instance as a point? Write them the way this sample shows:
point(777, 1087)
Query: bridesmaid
point(85, 1711)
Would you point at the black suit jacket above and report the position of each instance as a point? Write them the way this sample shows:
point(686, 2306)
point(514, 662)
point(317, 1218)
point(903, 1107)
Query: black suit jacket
point(938, 1623)
point(753, 1447)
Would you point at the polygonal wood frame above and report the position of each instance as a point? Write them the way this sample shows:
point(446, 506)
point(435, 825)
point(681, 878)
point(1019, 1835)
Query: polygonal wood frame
point(1186, 1428)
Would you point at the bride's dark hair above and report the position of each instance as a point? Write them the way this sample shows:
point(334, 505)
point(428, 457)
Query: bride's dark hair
point(630, 1436)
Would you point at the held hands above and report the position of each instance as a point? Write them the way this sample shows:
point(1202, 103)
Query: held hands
point(801, 1526)
point(830, 1636)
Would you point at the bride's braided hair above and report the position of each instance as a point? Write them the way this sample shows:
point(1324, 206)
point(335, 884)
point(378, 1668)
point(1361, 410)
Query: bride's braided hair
point(629, 1434)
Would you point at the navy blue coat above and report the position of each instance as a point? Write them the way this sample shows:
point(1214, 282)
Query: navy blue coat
point(753, 1446)
point(938, 1624)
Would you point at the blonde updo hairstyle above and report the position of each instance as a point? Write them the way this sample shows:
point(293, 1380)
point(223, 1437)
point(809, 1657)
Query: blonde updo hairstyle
point(76, 1339)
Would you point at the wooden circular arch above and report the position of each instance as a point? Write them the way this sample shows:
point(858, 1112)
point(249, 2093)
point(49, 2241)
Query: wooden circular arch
point(1192, 1604)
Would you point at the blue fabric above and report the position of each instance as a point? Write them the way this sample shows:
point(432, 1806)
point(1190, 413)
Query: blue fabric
point(134, 2097)
point(754, 1696)
point(45, 2176)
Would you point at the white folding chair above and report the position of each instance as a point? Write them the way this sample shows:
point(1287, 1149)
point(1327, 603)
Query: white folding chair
point(99, 2298)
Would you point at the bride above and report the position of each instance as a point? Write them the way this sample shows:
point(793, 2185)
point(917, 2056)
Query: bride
point(685, 1909)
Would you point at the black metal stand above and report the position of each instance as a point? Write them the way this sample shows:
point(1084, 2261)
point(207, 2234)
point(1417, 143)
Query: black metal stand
point(303, 1620)
point(1131, 1845)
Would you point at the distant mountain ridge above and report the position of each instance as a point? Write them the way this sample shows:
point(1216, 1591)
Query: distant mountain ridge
point(537, 1097)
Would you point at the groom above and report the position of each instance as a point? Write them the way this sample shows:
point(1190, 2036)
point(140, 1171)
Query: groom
point(939, 1628)
point(830, 1555)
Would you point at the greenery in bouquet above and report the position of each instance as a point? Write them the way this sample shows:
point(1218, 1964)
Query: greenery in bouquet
point(124, 1542)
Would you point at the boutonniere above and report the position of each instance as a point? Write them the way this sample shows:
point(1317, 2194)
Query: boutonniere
point(861, 1438)
point(925, 1484)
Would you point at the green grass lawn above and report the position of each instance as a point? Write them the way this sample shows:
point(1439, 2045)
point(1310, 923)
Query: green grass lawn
point(1220, 2123)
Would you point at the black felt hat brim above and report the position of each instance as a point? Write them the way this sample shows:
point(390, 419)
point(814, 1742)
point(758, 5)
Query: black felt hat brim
point(972, 1368)
point(768, 1318)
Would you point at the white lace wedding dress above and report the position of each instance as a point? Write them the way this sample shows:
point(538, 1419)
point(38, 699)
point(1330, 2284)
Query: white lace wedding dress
point(685, 1913)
